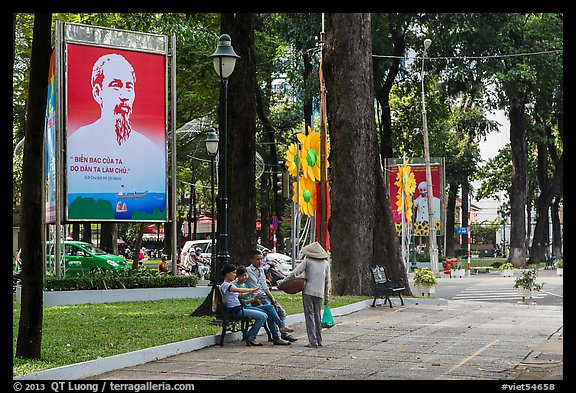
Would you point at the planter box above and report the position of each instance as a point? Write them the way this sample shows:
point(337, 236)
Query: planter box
point(526, 295)
point(560, 271)
point(61, 298)
point(454, 273)
point(507, 273)
point(425, 290)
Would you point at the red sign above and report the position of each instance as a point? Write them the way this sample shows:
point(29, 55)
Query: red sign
point(420, 204)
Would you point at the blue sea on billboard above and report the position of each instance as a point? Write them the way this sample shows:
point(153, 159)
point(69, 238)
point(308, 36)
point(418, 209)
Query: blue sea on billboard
point(125, 207)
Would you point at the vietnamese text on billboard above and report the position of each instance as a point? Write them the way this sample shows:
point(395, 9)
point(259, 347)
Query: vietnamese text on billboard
point(116, 134)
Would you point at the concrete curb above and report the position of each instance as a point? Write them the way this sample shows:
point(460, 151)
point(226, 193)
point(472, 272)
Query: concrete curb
point(102, 365)
point(64, 298)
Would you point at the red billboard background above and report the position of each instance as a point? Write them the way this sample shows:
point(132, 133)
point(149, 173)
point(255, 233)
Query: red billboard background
point(420, 176)
point(149, 110)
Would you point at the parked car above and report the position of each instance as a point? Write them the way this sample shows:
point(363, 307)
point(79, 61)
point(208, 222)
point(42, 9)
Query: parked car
point(284, 261)
point(81, 258)
point(191, 245)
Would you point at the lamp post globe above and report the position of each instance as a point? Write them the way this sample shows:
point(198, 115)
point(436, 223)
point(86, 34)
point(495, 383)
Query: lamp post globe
point(224, 57)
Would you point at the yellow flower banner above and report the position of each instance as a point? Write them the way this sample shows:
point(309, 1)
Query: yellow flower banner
point(406, 183)
point(307, 158)
point(306, 196)
point(293, 159)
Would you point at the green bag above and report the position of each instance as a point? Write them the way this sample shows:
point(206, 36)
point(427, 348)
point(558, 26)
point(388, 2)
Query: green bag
point(327, 319)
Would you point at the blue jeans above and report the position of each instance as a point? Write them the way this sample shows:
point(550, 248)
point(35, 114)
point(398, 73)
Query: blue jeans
point(273, 319)
point(260, 317)
point(281, 313)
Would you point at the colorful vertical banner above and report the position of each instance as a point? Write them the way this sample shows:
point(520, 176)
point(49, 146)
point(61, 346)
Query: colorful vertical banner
point(50, 146)
point(420, 204)
point(116, 134)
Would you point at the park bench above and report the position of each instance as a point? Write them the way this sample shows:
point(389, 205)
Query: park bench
point(230, 322)
point(550, 264)
point(486, 269)
point(385, 287)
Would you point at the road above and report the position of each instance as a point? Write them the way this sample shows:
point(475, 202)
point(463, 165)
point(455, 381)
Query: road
point(492, 287)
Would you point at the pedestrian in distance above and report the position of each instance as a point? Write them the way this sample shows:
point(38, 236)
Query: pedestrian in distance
point(316, 269)
point(163, 266)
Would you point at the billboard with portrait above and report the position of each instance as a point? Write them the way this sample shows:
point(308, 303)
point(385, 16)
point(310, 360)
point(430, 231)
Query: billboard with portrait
point(115, 134)
point(420, 204)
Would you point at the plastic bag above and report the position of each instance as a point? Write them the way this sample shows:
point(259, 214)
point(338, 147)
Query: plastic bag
point(327, 319)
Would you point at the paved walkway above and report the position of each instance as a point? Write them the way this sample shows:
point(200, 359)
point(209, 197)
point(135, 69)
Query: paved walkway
point(454, 341)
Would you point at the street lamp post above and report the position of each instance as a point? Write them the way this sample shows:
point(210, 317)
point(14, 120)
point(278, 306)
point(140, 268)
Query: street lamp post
point(433, 247)
point(224, 59)
point(212, 149)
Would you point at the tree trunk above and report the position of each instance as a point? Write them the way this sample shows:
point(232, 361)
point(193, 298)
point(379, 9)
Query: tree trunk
point(138, 246)
point(28, 344)
point(450, 212)
point(241, 138)
point(109, 238)
point(465, 203)
point(519, 186)
point(362, 232)
point(279, 202)
point(383, 94)
point(556, 230)
point(86, 232)
point(241, 147)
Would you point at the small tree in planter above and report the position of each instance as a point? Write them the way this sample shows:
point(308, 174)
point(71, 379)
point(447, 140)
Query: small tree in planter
point(424, 279)
point(526, 284)
point(559, 263)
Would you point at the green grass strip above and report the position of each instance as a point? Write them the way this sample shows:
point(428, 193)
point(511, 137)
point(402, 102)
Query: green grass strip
point(79, 333)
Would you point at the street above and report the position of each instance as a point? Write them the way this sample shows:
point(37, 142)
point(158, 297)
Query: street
point(492, 287)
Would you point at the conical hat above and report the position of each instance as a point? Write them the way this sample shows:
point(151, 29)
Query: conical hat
point(315, 250)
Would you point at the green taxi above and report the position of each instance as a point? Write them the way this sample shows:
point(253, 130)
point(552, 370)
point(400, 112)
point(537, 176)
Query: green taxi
point(81, 258)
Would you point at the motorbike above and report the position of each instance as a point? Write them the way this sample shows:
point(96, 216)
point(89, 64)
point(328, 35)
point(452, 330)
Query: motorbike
point(274, 274)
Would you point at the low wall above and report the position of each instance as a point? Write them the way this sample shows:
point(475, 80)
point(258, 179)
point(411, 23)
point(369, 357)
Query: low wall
point(62, 298)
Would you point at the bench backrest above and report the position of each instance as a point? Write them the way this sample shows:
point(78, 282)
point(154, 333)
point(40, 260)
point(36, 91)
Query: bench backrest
point(218, 301)
point(379, 274)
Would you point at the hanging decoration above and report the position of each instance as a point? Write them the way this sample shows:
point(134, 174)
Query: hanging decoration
point(293, 159)
point(305, 159)
point(307, 197)
point(406, 183)
point(310, 154)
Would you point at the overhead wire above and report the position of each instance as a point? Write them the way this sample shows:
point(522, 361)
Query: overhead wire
point(473, 57)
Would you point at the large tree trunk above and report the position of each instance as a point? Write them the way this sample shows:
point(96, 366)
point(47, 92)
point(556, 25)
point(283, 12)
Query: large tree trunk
point(241, 138)
point(241, 148)
point(28, 344)
point(450, 211)
point(361, 228)
point(519, 186)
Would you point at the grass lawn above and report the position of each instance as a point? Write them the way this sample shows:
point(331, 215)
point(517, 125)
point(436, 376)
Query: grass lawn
point(74, 334)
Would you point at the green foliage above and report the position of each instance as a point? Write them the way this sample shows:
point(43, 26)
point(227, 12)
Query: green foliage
point(528, 280)
point(131, 278)
point(424, 276)
point(559, 262)
point(79, 333)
